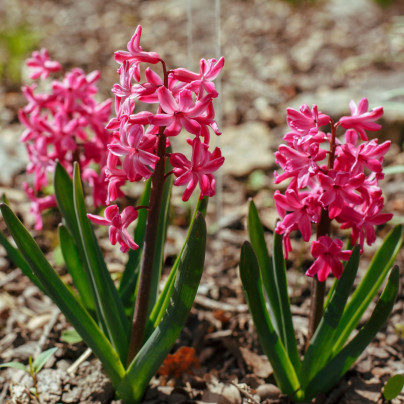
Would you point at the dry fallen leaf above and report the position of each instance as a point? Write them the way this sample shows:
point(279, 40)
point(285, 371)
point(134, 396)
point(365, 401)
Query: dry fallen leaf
point(258, 364)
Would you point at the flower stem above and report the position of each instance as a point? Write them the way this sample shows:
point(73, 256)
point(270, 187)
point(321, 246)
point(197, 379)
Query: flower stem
point(142, 311)
point(323, 229)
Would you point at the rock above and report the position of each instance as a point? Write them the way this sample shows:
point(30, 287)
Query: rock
point(50, 385)
point(221, 393)
point(246, 148)
point(19, 394)
point(268, 391)
point(259, 364)
point(13, 156)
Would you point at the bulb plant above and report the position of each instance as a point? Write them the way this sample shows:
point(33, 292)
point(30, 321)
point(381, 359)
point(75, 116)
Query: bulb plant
point(130, 328)
point(333, 187)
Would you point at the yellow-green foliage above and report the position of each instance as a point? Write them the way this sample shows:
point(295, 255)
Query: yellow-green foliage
point(16, 44)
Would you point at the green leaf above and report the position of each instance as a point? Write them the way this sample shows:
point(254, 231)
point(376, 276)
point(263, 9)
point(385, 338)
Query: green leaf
point(71, 336)
point(272, 345)
point(15, 365)
point(330, 374)
point(393, 387)
point(258, 242)
point(107, 297)
point(19, 261)
point(286, 329)
point(74, 311)
point(156, 348)
point(75, 267)
point(320, 347)
point(162, 302)
point(63, 185)
point(41, 359)
point(129, 278)
point(369, 286)
point(161, 239)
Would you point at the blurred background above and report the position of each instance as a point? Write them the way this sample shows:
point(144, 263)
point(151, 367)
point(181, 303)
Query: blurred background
point(278, 53)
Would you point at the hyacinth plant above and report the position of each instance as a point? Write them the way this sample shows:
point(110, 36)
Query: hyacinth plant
point(332, 189)
point(130, 328)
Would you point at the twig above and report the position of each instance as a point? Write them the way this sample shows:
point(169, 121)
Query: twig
point(46, 331)
point(245, 393)
point(215, 305)
point(73, 368)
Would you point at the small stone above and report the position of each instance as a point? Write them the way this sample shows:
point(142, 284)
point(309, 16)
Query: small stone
point(50, 385)
point(19, 394)
point(268, 391)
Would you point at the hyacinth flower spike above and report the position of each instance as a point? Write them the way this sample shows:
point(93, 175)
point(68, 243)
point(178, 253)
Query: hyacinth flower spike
point(130, 327)
point(329, 181)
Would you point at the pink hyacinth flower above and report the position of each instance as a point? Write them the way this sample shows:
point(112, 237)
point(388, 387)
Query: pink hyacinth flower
point(339, 187)
point(118, 224)
point(198, 170)
point(136, 148)
point(298, 163)
point(39, 204)
point(306, 121)
point(362, 120)
point(303, 210)
point(369, 155)
point(209, 70)
point(41, 65)
point(115, 177)
point(364, 221)
point(136, 54)
point(181, 114)
point(328, 256)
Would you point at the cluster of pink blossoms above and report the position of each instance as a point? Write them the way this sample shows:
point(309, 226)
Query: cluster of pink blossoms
point(330, 180)
point(183, 100)
point(65, 124)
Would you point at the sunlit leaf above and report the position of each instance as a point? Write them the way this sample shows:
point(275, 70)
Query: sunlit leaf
point(393, 387)
point(377, 271)
point(14, 365)
point(40, 361)
point(284, 372)
point(69, 305)
point(71, 336)
point(329, 375)
point(156, 348)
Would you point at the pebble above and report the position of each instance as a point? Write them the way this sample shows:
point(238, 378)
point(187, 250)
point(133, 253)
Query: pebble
point(268, 391)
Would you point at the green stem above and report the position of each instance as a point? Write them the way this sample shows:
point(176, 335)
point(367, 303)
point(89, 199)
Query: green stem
point(141, 311)
point(317, 303)
point(323, 229)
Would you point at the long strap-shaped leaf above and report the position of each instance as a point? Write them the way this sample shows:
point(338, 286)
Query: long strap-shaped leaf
point(106, 294)
point(287, 331)
point(272, 345)
point(19, 261)
point(257, 239)
point(63, 297)
point(336, 368)
point(75, 267)
point(156, 348)
point(161, 239)
point(162, 302)
point(369, 286)
point(320, 347)
point(63, 186)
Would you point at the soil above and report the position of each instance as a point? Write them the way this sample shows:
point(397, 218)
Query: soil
point(277, 54)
